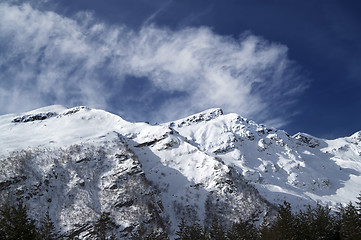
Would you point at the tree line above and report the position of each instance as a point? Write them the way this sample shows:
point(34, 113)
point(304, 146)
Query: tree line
point(318, 222)
point(15, 224)
point(314, 223)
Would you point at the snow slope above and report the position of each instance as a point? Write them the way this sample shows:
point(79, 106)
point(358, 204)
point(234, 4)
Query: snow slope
point(83, 162)
point(280, 166)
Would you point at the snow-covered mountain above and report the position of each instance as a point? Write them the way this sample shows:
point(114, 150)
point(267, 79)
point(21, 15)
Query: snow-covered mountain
point(79, 163)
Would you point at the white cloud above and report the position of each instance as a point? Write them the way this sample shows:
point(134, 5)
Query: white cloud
point(47, 58)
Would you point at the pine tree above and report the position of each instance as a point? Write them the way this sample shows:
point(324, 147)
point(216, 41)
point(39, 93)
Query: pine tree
point(244, 230)
point(47, 229)
point(181, 232)
point(216, 232)
point(358, 205)
point(317, 223)
point(350, 223)
point(284, 227)
point(305, 220)
point(324, 223)
point(15, 223)
point(196, 231)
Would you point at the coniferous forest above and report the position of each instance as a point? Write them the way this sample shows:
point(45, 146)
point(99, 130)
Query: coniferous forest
point(319, 222)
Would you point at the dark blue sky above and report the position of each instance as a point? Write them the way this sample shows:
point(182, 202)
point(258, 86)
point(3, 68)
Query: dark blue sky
point(319, 41)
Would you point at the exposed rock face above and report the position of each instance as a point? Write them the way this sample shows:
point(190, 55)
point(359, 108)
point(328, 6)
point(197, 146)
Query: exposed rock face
point(79, 183)
point(34, 117)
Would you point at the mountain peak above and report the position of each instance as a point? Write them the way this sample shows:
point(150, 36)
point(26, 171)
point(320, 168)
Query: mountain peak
point(203, 116)
point(307, 139)
point(356, 136)
point(47, 112)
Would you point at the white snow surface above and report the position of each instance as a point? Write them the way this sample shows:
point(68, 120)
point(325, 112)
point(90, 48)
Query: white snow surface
point(188, 162)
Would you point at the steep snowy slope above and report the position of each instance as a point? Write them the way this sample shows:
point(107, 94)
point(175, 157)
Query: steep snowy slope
point(79, 163)
point(70, 163)
point(301, 169)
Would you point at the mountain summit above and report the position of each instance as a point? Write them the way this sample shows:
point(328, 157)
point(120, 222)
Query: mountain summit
point(80, 163)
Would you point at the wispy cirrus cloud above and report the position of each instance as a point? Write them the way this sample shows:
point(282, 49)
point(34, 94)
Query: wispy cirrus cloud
point(47, 58)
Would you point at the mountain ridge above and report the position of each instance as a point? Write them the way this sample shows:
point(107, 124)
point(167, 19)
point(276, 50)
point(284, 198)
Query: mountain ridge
point(190, 168)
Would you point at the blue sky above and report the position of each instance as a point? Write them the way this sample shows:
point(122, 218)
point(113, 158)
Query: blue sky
point(295, 65)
